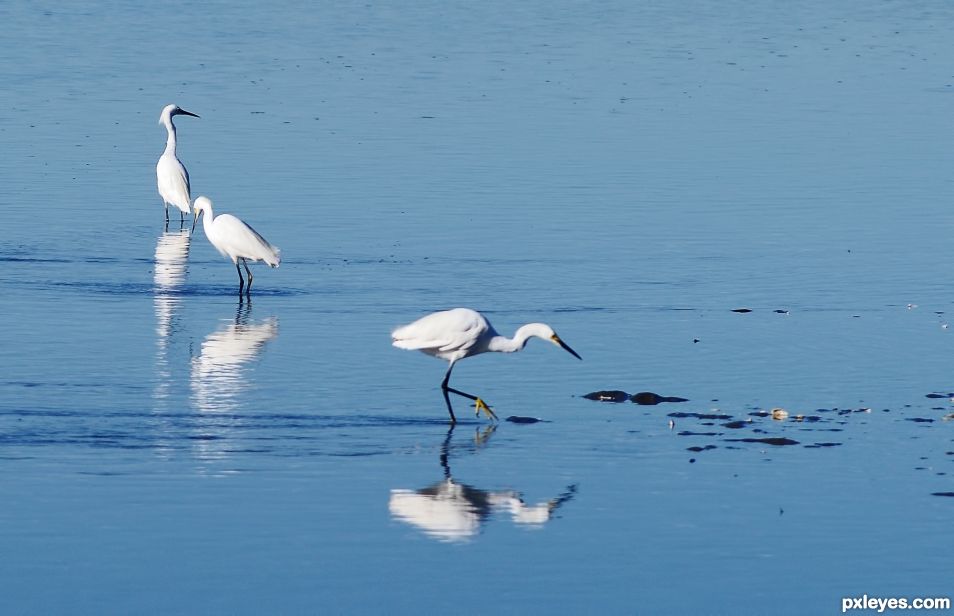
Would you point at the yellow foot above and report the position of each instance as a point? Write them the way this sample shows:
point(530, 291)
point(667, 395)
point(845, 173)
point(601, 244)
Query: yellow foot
point(482, 406)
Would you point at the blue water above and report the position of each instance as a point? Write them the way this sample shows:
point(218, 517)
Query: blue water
point(629, 173)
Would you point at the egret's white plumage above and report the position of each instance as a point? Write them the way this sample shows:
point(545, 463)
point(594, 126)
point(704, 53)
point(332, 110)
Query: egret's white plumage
point(235, 239)
point(455, 334)
point(171, 175)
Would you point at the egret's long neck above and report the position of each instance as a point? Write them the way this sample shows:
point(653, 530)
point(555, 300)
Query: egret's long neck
point(502, 344)
point(207, 219)
point(171, 135)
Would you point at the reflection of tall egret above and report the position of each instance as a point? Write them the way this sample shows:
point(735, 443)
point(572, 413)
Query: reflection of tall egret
point(171, 267)
point(219, 373)
point(452, 511)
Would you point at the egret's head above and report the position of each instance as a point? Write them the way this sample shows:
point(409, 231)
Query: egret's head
point(171, 110)
point(544, 332)
point(201, 204)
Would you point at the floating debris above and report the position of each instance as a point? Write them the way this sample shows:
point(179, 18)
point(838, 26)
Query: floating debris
point(672, 424)
point(517, 419)
point(613, 395)
point(781, 311)
point(776, 440)
point(648, 398)
point(741, 310)
point(779, 414)
point(681, 415)
point(735, 425)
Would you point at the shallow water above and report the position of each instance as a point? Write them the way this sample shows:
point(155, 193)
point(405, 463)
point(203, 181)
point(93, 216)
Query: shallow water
point(629, 176)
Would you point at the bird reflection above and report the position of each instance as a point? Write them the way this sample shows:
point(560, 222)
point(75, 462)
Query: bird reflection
point(170, 270)
point(219, 374)
point(451, 511)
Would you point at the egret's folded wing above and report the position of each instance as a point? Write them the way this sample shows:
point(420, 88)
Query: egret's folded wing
point(450, 330)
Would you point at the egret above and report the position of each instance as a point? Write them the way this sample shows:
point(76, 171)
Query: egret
point(171, 175)
point(234, 239)
point(455, 334)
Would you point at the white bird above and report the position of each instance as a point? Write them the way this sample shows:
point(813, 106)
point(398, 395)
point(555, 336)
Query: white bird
point(455, 334)
point(234, 239)
point(171, 176)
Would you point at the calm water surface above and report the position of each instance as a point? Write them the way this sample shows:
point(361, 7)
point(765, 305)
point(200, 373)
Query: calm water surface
point(628, 173)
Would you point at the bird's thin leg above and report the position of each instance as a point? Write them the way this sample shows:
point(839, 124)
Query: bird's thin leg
point(167, 214)
point(241, 280)
point(248, 288)
point(478, 402)
point(450, 409)
point(181, 219)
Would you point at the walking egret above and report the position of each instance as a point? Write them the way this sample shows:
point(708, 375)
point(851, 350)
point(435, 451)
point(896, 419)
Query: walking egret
point(455, 334)
point(171, 175)
point(234, 239)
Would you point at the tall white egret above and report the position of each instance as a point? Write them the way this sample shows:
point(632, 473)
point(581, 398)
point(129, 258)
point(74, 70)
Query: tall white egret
point(234, 239)
point(455, 334)
point(171, 175)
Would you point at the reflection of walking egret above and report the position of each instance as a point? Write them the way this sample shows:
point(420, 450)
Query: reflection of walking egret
point(171, 175)
point(234, 239)
point(455, 334)
point(453, 511)
point(219, 374)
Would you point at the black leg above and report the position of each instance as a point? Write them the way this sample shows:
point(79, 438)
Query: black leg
point(241, 280)
point(447, 388)
point(167, 214)
point(248, 288)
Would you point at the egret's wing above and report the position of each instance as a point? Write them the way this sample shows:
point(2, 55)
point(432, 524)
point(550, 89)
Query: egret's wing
point(450, 330)
point(238, 238)
point(173, 180)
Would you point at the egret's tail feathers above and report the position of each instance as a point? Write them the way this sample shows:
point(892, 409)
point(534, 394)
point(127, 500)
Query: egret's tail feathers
point(275, 259)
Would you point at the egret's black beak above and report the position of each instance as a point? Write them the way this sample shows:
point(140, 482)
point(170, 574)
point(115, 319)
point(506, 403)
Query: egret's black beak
point(566, 347)
point(188, 113)
point(195, 220)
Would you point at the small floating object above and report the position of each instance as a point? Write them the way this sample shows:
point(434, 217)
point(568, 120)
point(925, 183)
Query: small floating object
point(948, 417)
point(780, 311)
point(681, 415)
point(517, 419)
point(735, 425)
point(741, 310)
point(672, 424)
point(912, 306)
point(774, 440)
point(610, 395)
point(698, 449)
point(648, 398)
point(779, 414)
